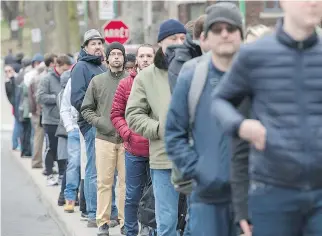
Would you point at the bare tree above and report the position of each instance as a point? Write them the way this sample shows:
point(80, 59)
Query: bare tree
point(10, 10)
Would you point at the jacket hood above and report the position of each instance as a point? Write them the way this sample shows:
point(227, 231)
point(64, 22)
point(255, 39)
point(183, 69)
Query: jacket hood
point(83, 56)
point(192, 46)
point(64, 78)
point(160, 60)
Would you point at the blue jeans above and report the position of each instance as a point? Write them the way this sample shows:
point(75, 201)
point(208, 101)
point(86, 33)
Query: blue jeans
point(166, 202)
point(211, 219)
point(90, 184)
point(136, 177)
point(17, 129)
point(73, 166)
point(283, 211)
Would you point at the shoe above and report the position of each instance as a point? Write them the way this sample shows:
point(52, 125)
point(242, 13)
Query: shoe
point(84, 217)
point(51, 180)
point(45, 172)
point(103, 230)
point(60, 179)
point(61, 200)
point(69, 206)
point(123, 231)
point(113, 223)
point(36, 167)
point(145, 231)
point(91, 223)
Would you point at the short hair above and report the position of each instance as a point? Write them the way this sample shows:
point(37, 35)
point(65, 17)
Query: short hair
point(49, 58)
point(258, 31)
point(189, 26)
point(199, 26)
point(63, 60)
point(130, 57)
point(145, 45)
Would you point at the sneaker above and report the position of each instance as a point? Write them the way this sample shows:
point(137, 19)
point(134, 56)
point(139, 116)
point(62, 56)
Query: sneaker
point(145, 231)
point(51, 180)
point(103, 230)
point(45, 172)
point(113, 223)
point(69, 206)
point(84, 217)
point(91, 223)
point(60, 179)
point(123, 231)
point(61, 200)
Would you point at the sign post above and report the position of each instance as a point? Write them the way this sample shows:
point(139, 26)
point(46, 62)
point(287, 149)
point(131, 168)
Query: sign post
point(116, 31)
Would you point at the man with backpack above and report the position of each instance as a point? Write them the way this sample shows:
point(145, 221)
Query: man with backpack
point(194, 140)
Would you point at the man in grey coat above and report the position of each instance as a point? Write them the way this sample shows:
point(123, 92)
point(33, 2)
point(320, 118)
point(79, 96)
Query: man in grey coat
point(47, 93)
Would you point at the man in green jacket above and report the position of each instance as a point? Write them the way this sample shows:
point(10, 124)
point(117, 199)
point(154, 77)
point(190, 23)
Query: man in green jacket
point(146, 112)
point(96, 110)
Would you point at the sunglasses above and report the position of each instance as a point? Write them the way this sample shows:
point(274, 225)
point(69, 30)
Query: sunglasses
point(217, 29)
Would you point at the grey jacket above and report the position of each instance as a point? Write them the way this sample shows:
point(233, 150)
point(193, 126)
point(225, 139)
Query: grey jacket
point(48, 90)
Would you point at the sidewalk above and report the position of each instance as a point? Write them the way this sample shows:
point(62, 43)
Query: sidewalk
point(69, 223)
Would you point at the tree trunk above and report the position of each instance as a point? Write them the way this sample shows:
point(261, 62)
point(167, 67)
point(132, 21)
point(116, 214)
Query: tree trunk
point(73, 26)
point(61, 43)
point(10, 12)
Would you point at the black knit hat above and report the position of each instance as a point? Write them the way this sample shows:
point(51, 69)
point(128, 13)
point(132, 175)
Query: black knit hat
point(115, 45)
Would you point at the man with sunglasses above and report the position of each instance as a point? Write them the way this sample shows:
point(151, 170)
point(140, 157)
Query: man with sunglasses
point(207, 159)
point(96, 109)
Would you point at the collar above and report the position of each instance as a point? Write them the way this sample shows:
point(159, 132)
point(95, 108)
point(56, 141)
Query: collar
point(56, 72)
point(117, 74)
point(287, 40)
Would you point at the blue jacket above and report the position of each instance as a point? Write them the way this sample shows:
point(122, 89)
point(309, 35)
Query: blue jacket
point(283, 77)
point(82, 73)
point(207, 161)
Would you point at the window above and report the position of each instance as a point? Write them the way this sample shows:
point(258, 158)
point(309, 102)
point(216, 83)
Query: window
point(195, 10)
point(272, 6)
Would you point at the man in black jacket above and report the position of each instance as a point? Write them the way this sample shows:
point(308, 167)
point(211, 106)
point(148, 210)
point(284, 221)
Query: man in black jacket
point(194, 46)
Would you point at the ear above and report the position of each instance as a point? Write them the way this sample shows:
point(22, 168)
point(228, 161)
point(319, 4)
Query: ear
point(202, 36)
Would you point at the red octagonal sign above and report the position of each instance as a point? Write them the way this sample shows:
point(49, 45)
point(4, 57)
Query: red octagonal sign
point(116, 30)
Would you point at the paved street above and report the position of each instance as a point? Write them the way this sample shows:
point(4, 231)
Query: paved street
point(22, 211)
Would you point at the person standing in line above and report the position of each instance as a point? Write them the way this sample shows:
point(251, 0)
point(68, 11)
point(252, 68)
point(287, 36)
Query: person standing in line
point(281, 74)
point(96, 109)
point(130, 62)
point(145, 115)
point(136, 147)
point(48, 90)
point(39, 134)
point(200, 149)
point(89, 64)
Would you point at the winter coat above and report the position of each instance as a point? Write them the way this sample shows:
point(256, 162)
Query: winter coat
point(133, 142)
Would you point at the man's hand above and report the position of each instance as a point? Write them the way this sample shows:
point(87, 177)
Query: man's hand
point(246, 228)
point(254, 132)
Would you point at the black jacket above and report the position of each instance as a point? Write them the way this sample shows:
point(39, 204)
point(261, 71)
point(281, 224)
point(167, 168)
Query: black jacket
point(177, 55)
point(82, 73)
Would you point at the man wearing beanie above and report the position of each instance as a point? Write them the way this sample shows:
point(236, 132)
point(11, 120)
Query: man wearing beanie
point(89, 64)
point(281, 73)
point(189, 120)
point(96, 109)
point(145, 114)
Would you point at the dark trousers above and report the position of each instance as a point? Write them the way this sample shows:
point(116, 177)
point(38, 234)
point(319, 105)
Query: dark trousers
point(63, 184)
point(26, 138)
point(82, 201)
point(136, 177)
point(282, 211)
point(51, 152)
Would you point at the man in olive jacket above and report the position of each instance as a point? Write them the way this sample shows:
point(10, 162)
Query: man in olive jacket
point(146, 112)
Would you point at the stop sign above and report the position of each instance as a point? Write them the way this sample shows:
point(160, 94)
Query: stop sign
point(116, 30)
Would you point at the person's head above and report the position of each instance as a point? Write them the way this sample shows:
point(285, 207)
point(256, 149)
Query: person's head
point(93, 43)
point(144, 56)
point(9, 71)
point(63, 63)
point(171, 32)
point(36, 60)
point(50, 60)
point(199, 33)
point(255, 32)
point(305, 15)
point(224, 29)
point(189, 27)
point(130, 62)
point(19, 57)
point(26, 62)
point(115, 55)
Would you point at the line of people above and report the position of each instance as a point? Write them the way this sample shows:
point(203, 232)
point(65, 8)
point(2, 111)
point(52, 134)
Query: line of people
point(168, 129)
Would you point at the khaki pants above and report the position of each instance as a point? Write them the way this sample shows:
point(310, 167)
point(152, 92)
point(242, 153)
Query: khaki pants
point(108, 157)
point(38, 142)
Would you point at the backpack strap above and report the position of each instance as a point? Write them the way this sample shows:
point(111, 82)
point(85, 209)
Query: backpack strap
point(197, 85)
